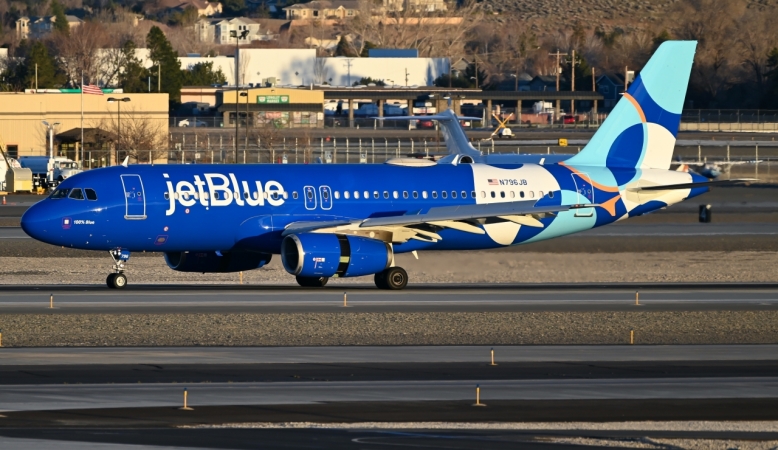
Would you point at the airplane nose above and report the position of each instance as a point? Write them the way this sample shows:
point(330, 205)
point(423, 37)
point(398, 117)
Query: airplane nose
point(35, 221)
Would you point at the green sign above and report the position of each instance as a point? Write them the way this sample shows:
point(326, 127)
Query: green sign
point(265, 99)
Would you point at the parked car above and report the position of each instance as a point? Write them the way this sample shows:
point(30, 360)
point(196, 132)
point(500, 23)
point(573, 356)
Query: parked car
point(424, 124)
point(192, 123)
point(568, 119)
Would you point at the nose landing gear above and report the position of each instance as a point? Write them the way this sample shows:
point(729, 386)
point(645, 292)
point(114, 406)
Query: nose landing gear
point(117, 279)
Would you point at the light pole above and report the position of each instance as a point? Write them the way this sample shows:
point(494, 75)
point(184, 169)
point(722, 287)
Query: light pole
point(50, 128)
point(118, 102)
point(246, 145)
point(50, 165)
point(238, 37)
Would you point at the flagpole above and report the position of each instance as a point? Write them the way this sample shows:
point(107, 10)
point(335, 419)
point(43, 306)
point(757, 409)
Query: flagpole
point(82, 122)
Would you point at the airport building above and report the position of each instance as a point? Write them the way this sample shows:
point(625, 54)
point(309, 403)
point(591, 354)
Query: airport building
point(272, 106)
point(22, 117)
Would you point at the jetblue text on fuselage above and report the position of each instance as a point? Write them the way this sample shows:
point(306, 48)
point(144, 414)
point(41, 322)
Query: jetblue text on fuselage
point(216, 189)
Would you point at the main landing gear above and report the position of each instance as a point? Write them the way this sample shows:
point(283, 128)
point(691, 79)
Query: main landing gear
point(117, 279)
point(393, 278)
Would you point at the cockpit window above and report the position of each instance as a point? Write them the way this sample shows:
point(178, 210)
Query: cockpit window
point(90, 194)
point(60, 193)
point(76, 194)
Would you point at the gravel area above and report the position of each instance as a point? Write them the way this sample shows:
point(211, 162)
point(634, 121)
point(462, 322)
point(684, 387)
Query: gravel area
point(764, 426)
point(434, 267)
point(432, 328)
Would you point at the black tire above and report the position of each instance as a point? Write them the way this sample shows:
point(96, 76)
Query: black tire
point(109, 280)
point(312, 281)
point(117, 281)
point(395, 278)
point(379, 281)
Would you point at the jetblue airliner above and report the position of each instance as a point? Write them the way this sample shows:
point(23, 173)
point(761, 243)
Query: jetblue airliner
point(350, 220)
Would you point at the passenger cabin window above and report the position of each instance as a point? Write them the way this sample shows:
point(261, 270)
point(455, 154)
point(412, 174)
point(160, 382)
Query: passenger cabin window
point(60, 193)
point(336, 194)
point(367, 195)
point(346, 195)
point(415, 194)
point(464, 194)
point(521, 194)
point(444, 194)
point(294, 195)
point(405, 194)
point(375, 194)
point(90, 194)
point(472, 194)
point(551, 194)
point(386, 194)
point(434, 194)
point(513, 194)
point(423, 194)
point(540, 194)
point(76, 194)
point(394, 194)
point(502, 194)
point(483, 194)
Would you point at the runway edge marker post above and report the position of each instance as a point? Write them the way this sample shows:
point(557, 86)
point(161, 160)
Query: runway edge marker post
point(492, 352)
point(51, 301)
point(631, 337)
point(478, 396)
point(186, 407)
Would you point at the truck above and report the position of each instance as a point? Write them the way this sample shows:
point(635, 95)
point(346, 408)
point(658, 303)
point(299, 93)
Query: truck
point(47, 172)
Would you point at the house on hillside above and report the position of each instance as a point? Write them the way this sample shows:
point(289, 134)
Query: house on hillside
point(35, 27)
point(218, 30)
point(611, 86)
point(323, 9)
point(203, 8)
point(544, 83)
point(425, 6)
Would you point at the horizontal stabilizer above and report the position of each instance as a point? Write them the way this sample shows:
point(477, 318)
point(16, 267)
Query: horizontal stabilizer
point(669, 187)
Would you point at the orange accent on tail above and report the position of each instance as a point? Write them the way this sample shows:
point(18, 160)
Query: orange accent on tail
point(610, 205)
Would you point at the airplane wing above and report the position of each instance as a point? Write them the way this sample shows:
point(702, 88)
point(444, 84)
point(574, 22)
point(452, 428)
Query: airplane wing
point(426, 226)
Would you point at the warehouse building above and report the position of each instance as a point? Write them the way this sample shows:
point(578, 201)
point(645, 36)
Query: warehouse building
point(279, 107)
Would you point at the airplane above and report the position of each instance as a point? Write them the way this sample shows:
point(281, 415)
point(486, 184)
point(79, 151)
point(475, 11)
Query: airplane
point(335, 221)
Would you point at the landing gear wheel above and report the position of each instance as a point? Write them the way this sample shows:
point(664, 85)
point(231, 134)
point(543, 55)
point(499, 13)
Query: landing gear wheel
point(393, 278)
point(312, 281)
point(116, 281)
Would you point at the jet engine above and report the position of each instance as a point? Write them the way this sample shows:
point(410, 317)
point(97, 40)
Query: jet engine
point(334, 255)
point(215, 262)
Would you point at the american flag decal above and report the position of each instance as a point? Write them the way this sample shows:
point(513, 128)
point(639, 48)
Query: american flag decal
point(91, 89)
point(493, 182)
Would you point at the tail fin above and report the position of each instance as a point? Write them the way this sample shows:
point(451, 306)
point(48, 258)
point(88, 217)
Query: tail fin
point(641, 130)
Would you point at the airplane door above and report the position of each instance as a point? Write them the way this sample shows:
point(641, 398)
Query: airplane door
point(310, 197)
point(326, 197)
point(134, 197)
point(583, 185)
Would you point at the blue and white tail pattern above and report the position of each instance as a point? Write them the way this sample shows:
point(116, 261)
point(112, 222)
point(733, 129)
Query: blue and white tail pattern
point(641, 130)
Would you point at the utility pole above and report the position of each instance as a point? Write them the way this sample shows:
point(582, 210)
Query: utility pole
point(558, 71)
point(348, 64)
point(572, 85)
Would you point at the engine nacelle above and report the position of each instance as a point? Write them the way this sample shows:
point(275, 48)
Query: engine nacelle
point(334, 255)
point(211, 262)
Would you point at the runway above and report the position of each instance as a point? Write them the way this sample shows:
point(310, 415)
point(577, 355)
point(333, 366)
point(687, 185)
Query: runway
point(366, 298)
point(68, 356)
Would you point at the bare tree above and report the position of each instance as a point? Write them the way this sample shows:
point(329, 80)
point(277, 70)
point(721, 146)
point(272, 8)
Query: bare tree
point(140, 137)
point(756, 37)
point(78, 51)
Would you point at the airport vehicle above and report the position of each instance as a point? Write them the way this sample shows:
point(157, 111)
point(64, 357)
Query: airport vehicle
point(192, 123)
point(330, 221)
point(49, 172)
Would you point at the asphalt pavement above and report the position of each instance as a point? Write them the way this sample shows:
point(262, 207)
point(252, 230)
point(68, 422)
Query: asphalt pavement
point(365, 298)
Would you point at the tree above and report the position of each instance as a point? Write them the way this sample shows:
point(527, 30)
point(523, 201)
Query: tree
point(48, 75)
point(60, 20)
point(163, 55)
point(134, 77)
point(233, 8)
point(77, 52)
point(202, 74)
point(344, 49)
